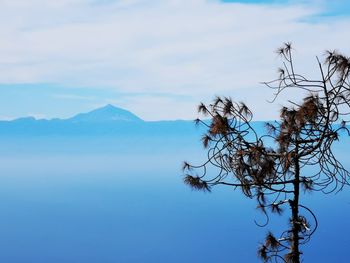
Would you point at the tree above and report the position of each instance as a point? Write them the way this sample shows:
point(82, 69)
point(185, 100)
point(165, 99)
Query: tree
point(270, 167)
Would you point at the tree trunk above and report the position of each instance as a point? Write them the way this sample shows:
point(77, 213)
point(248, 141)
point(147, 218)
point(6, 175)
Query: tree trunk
point(295, 253)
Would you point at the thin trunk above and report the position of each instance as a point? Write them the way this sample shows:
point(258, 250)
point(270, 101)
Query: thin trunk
point(295, 252)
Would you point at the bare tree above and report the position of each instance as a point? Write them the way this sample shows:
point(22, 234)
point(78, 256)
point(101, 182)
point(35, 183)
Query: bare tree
point(270, 167)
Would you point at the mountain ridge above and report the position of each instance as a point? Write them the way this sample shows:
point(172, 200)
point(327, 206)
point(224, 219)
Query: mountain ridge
point(106, 114)
point(103, 121)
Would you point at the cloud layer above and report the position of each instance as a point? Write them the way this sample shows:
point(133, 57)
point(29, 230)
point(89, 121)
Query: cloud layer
point(185, 50)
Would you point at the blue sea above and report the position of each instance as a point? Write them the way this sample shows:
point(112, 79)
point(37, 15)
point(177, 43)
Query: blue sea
point(106, 199)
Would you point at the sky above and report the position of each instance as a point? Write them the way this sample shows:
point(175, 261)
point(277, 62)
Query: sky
point(156, 58)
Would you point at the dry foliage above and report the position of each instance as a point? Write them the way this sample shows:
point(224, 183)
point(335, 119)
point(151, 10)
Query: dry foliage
point(269, 167)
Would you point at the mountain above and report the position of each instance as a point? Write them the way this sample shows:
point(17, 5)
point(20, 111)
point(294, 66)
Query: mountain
point(108, 113)
point(106, 121)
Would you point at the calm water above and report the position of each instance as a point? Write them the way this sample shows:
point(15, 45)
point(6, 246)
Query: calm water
point(89, 202)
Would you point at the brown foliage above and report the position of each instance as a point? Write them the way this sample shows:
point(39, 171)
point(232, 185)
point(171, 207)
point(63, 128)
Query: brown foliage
point(268, 166)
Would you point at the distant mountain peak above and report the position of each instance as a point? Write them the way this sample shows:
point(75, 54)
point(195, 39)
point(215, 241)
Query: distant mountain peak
point(109, 106)
point(107, 113)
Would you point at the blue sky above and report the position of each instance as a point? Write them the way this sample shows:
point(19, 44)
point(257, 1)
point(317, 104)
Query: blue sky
point(156, 58)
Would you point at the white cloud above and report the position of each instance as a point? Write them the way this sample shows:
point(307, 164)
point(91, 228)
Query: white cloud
point(195, 48)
